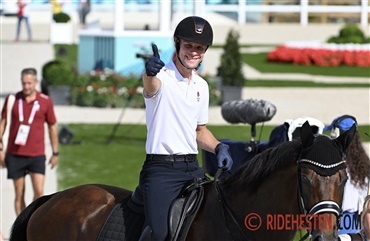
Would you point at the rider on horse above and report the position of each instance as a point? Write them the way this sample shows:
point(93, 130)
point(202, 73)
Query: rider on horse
point(176, 99)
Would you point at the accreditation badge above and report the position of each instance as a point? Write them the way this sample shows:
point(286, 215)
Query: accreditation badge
point(22, 135)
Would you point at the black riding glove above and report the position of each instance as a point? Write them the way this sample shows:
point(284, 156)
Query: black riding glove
point(154, 64)
point(224, 159)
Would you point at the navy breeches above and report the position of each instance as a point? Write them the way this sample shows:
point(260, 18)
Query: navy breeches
point(160, 184)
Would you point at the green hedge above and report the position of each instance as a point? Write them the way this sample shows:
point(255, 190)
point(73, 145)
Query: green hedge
point(57, 73)
point(350, 33)
point(61, 17)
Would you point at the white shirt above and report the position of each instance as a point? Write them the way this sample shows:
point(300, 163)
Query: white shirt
point(172, 115)
point(354, 196)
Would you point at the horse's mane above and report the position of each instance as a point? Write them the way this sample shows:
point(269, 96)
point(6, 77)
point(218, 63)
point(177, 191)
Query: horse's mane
point(255, 170)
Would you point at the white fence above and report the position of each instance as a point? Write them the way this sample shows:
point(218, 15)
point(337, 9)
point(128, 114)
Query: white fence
point(199, 7)
point(303, 9)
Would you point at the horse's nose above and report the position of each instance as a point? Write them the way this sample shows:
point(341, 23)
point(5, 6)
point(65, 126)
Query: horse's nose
point(318, 239)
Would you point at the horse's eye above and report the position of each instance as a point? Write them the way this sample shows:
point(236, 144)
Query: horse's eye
point(305, 178)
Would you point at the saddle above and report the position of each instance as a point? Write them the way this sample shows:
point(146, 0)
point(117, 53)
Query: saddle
point(126, 220)
point(184, 209)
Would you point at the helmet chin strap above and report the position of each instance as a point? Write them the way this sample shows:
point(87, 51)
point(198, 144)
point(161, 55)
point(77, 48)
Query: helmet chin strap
point(196, 68)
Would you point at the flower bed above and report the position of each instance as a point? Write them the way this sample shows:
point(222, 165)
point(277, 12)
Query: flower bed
point(109, 89)
point(321, 54)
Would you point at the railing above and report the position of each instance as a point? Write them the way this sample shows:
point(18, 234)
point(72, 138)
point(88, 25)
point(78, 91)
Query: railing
point(238, 7)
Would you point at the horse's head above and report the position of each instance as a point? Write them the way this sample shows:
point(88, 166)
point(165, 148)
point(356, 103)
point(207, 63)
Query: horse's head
point(321, 180)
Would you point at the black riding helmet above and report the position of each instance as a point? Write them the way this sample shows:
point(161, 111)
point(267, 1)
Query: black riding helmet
point(193, 29)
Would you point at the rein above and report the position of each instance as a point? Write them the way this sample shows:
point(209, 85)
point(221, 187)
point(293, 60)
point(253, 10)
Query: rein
point(320, 207)
point(225, 207)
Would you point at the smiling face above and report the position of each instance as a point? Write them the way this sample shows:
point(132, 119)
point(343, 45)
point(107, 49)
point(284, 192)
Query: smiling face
point(190, 55)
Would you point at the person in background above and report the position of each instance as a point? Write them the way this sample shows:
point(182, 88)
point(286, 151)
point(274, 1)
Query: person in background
point(176, 99)
point(57, 6)
point(358, 171)
point(364, 234)
point(83, 10)
point(25, 152)
point(23, 16)
point(365, 218)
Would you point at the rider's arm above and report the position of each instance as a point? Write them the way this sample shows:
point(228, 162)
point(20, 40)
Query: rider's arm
point(205, 139)
point(151, 85)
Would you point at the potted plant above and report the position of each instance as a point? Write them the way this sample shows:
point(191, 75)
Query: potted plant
point(61, 29)
point(58, 79)
point(230, 69)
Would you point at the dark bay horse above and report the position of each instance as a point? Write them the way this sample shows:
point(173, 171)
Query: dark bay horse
point(268, 199)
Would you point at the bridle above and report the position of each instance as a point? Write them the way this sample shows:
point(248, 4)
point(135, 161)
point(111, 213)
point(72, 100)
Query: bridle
point(322, 206)
point(325, 206)
point(225, 208)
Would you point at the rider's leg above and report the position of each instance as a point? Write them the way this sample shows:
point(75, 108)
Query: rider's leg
point(146, 235)
point(162, 183)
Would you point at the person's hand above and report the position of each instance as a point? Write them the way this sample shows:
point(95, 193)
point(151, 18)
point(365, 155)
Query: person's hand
point(224, 159)
point(53, 161)
point(154, 64)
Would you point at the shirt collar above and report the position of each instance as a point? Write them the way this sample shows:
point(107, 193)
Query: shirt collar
point(21, 96)
point(177, 74)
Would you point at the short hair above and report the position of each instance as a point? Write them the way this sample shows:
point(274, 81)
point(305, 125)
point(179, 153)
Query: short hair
point(32, 71)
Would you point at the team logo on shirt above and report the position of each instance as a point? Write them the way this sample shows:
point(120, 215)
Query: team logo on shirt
point(198, 96)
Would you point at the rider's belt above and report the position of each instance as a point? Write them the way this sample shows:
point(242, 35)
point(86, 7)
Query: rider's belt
point(171, 158)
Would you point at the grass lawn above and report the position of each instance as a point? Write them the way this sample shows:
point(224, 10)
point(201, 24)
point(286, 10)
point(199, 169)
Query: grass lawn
point(259, 62)
point(67, 53)
point(119, 162)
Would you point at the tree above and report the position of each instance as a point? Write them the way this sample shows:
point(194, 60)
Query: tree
point(230, 69)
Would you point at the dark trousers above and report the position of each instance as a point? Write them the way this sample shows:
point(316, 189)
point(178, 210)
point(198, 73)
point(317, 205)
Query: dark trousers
point(83, 13)
point(160, 184)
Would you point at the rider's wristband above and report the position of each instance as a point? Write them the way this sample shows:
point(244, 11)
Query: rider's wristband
point(55, 153)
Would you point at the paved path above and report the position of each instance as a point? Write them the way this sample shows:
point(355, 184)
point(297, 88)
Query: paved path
point(16, 56)
point(323, 104)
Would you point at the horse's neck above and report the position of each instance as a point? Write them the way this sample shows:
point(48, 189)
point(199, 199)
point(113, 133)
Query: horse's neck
point(276, 194)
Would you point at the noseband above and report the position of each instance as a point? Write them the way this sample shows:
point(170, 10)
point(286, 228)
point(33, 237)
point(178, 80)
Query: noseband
point(322, 206)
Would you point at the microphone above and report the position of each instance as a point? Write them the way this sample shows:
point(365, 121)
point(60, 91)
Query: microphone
point(249, 111)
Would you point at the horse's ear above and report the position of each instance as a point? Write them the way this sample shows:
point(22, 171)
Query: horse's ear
point(306, 135)
point(346, 137)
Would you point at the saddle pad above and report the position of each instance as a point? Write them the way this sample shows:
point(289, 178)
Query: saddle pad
point(122, 224)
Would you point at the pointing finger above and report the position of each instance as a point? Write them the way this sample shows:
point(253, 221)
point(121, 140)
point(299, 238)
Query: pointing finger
point(155, 51)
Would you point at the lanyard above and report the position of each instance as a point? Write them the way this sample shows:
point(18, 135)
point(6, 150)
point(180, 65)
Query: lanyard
point(35, 108)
